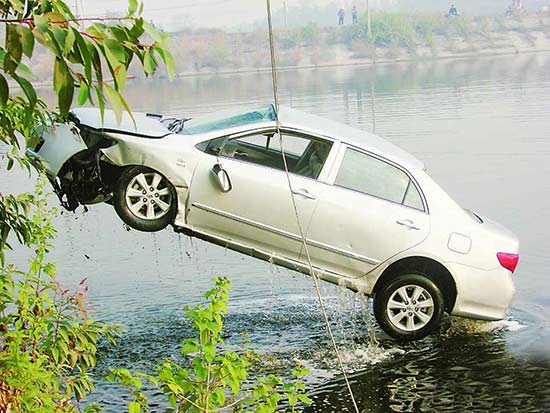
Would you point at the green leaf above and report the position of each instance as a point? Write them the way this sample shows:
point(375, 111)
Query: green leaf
point(149, 63)
point(218, 395)
point(65, 99)
point(83, 93)
point(132, 7)
point(137, 29)
point(300, 372)
point(69, 41)
point(151, 31)
point(292, 399)
point(56, 18)
point(209, 352)
point(169, 62)
point(27, 40)
point(127, 109)
point(13, 48)
point(53, 44)
point(114, 53)
point(28, 89)
point(64, 8)
point(85, 54)
point(120, 77)
point(4, 91)
point(23, 70)
point(61, 75)
point(190, 346)
point(304, 399)
point(96, 61)
point(100, 102)
point(41, 22)
point(96, 31)
point(201, 372)
point(114, 99)
point(119, 33)
point(60, 36)
point(134, 407)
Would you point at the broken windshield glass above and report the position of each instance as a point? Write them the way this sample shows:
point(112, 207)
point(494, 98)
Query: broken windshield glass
point(227, 119)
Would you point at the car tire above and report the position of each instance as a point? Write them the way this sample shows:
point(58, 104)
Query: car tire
point(144, 199)
point(409, 306)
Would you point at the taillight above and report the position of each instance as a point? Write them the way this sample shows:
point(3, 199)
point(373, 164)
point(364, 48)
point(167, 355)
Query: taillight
point(508, 261)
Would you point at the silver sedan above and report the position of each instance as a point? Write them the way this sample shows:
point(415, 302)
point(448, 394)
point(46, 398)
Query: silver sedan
point(372, 218)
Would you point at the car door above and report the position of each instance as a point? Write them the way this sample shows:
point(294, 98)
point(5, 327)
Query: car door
point(257, 211)
point(372, 211)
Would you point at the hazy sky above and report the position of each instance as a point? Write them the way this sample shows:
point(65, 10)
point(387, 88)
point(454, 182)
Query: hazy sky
point(174, 13)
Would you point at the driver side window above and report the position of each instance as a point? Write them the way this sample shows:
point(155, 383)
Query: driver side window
point(304, 155)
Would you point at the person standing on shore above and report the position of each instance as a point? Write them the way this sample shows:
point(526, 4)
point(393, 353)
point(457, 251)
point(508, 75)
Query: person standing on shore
point(354, 14)
point(341, 15)
point(519, 6)
point(453, 11)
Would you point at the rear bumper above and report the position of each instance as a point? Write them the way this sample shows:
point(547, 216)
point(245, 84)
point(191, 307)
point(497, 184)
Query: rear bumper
point(481, 294)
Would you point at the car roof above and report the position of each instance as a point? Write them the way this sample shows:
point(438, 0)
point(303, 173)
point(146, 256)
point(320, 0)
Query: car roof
point(296, 119)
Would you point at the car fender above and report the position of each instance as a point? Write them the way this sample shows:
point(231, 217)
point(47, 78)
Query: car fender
point(130, 151)
point(374, 275)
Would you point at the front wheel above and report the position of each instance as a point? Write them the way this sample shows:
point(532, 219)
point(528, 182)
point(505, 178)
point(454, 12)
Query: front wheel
point(409, 306)
point(144, 199)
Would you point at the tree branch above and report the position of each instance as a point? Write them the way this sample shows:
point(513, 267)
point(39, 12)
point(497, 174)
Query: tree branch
point(76, 20)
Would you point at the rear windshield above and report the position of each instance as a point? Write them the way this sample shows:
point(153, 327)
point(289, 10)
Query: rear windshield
point(227, 119)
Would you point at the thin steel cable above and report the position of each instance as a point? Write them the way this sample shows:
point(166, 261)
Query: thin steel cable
point(300, 228)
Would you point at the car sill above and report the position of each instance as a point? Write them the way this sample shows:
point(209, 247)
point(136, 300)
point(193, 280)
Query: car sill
point(355, 285)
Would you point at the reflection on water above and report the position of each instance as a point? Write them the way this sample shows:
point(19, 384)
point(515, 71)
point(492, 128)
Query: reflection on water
point(482, 128)
point(446, 374)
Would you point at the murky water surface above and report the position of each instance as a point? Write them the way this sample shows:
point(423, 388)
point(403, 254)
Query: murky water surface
point(483, 129)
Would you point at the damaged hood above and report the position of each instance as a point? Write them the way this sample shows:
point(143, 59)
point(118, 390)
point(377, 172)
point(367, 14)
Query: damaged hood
point(144, 126)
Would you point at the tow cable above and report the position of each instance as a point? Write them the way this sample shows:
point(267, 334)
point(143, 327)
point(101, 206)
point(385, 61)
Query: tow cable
point(314, 276)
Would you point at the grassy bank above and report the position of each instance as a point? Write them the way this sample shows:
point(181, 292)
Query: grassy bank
point(394, 37)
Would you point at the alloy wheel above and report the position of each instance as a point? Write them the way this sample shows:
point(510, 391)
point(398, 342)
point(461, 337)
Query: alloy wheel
point(410, 308)
point(148, 196)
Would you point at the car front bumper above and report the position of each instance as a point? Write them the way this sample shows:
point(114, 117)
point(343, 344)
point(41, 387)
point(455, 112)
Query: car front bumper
point(482, 294)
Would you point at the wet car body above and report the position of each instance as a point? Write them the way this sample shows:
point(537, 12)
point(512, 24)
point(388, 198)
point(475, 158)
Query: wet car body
point(373, 219)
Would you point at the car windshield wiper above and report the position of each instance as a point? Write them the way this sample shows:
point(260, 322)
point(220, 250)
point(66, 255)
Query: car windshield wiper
point(174, 125)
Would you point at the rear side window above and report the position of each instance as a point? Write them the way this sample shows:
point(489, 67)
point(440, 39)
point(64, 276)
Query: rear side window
point(372, 176)
point(412, 197)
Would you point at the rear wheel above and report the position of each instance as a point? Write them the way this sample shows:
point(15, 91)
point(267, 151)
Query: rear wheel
point(409, 306)
point(144, 199)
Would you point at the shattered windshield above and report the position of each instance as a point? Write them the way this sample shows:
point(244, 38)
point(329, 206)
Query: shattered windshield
point(227, 119)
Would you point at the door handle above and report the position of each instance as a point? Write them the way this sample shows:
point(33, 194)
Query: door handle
point(407, 223)
point(305, 193)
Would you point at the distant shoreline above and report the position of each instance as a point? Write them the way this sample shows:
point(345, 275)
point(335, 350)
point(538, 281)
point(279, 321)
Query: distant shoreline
point(395, 38)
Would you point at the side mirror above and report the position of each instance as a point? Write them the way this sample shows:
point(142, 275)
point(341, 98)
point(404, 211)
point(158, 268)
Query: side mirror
point(222, 178)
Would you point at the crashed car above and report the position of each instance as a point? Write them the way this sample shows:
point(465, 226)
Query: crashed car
point(373, 220)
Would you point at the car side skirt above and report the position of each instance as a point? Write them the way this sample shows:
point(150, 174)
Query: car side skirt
point(354, 284)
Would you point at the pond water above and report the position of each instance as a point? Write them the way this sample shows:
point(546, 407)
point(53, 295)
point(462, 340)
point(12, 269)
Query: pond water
point(482, 127)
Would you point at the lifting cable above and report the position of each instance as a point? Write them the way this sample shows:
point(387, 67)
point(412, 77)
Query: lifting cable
point(300, 228)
